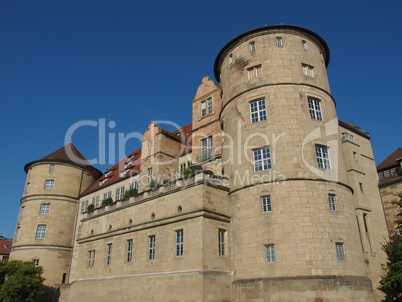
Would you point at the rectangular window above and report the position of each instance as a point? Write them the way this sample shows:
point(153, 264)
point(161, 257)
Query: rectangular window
point(27, 187)
point(279, 41)
point(254, 72)
point(182, 167)
point(361, 186)
point(270, 253)
point(45, 208)
point(266, 204)
point(36, 262)
point(149, 175)
point(304, 45)
point(340, 252)
point(79, 232)
point(97, 201)
point(151, 255)
point(40, 232)
point(323, 159)
point(82, 207)
point(252, 46)
point(308, 70)
point(314, 106)
point(262, 159)
point(332, 202)
point(129, 250)
point(203, 109)
point(51, 168)
point(22, 211)
point(109, 254)
point(122, 191)
point(91, 258)
point(104, 196)
point(49, 184)
point(109, 194)
point(117, 194)
point(222, 247)
point(258, 111)
point(86, 205)
point(136, 185)
point(179, 243)
point(131, 185)
point(206, 148)
point(231, 58)
point(151, 144)
point(209, 105)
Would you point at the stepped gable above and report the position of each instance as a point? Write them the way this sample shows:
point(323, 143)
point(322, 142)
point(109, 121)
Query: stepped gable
point(131, 164)
point(68, 154)
point(391, 161)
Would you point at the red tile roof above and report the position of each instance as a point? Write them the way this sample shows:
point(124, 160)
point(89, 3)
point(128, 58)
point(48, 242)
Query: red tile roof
point(3, 249)
point(68, 154)
point(391, 160)
point(182, 135)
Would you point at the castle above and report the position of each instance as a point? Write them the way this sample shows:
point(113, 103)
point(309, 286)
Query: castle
point(282, 203)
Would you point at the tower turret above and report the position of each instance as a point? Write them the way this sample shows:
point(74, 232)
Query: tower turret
point(48, 210)
point(289, 193)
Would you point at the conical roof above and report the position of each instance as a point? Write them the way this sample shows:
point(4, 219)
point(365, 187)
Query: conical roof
point(68, 154)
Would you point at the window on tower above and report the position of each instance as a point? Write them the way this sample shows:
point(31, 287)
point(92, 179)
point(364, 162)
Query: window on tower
point(258, 111)
point(314, 106)
point(262, 159)
point(323, 159)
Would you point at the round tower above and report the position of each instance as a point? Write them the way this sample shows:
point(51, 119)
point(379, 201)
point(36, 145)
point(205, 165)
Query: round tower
point(48, 211)
point(293, 217)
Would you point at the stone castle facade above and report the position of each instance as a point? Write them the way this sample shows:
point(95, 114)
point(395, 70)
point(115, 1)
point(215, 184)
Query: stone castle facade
point(284, 206)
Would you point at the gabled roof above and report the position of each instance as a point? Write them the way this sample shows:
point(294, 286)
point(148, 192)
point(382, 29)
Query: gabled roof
point(391, 161)
point(68, 154)
point(130, 163)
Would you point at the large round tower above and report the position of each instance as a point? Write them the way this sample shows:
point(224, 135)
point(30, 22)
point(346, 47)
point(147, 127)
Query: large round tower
point(48, 212)
point(290, 197)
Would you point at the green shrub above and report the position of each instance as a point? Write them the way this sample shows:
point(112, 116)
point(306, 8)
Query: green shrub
point(195, 169)
point(187, 172)
point(153, 184)
point(130, 193)
point(166, 181)
point(107, 201)
point(91, 207)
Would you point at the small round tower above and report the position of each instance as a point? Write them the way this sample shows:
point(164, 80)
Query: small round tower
point(289, 193)
point(48, 211)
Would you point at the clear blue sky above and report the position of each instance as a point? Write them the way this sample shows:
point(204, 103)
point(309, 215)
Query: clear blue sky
point(132, 62)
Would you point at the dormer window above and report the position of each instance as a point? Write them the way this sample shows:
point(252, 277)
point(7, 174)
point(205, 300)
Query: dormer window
point(108, 173)
point(128, 164)
point(124, 172)
point(103, 181)
point(132, 157)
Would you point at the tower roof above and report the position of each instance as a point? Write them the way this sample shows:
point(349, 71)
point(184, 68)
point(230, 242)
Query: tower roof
point(392, 160)
point(68, 154)
point(320, 41)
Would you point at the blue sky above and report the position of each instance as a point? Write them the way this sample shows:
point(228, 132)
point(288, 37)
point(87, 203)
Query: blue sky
point(132, 62)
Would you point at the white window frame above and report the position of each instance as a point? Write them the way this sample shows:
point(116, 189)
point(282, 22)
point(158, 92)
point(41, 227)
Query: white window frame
point(308, 70)
point(323, 157)
point(254, 72)
point(117, 194)
point(91, 258)
point(279, 41)
point(97, 201)
point(40, 231)
point(270, 253)
point(258, 111)
point(129, 251)
point(45, 208)
point(103, 181)
point(221, 242)
point(109, 254)
point(179, 243)
point(252, 46)
point(304, 44)
point(209, 105)
point(266, 206)
point(206, 148)
point(203, 108)
point(314, 106)
point(49, 184)
point(262, 159)
point(152, 244)
point(52, 167)
point(340, 251)
point(332, 202)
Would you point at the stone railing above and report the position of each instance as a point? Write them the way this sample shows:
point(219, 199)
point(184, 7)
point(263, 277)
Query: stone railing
point(180, 184)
